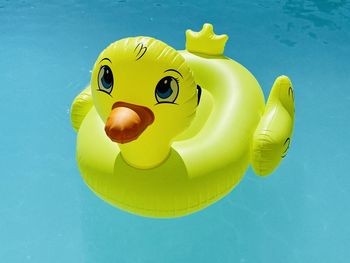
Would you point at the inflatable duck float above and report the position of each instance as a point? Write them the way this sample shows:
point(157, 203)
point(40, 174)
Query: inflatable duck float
point(165, 133)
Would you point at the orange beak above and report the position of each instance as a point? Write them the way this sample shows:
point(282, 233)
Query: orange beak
point(126, 122)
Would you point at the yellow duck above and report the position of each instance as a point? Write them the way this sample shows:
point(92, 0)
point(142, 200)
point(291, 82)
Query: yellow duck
point(165, 133)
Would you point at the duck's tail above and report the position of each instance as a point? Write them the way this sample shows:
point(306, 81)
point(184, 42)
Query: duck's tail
point(273, 135)
point(80, 107)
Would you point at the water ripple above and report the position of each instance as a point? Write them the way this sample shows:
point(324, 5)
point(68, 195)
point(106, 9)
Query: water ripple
point(319, 13)
point(312, 20)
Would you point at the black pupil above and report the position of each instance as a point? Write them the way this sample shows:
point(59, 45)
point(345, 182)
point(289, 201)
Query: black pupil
point(164, 85)
point(107, 77)
point(164, 89)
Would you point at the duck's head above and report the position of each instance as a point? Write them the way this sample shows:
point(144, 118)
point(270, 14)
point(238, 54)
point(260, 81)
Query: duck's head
point(146, 95)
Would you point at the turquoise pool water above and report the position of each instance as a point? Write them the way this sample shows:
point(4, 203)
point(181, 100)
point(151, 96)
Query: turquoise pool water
point(298, 214)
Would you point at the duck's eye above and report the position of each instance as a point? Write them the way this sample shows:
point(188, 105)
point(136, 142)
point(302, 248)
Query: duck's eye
point(167, 90)
point(105, 79)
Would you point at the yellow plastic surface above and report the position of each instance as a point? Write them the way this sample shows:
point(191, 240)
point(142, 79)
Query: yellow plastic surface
point(214, 143)
point(205, 41)
point(273, 135)
point(136, 77)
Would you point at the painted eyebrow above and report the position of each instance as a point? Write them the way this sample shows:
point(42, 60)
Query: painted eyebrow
point(174, 71)
point(105, 59)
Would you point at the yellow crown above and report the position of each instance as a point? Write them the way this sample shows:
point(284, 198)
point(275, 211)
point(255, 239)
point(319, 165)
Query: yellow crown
point(205, 41)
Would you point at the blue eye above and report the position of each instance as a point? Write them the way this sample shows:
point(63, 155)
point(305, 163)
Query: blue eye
point(105, 79)
point(167, 90)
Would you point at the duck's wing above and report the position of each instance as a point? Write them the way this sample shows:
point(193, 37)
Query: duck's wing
point(80, 107)
point(273, 135)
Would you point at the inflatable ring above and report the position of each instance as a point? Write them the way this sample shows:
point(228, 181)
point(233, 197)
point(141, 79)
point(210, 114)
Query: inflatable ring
point(164, 133)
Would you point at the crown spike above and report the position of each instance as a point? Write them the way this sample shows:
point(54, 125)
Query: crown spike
point(205, 41)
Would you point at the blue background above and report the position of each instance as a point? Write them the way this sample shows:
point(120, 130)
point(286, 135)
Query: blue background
point(298, 214)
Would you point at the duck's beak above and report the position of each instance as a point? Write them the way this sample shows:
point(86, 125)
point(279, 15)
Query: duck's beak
point(126, 122)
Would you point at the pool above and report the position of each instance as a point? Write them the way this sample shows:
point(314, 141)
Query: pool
point(298, 214)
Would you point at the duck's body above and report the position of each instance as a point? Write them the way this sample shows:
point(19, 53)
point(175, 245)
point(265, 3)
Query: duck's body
point(231, 129)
